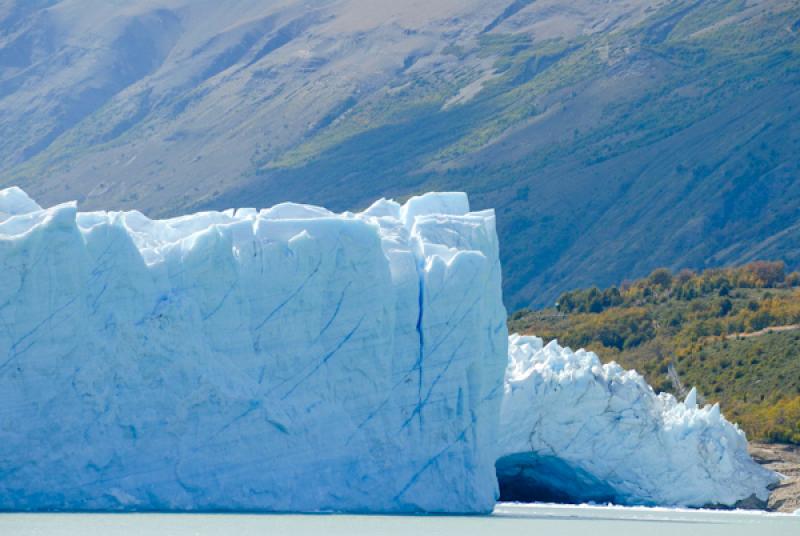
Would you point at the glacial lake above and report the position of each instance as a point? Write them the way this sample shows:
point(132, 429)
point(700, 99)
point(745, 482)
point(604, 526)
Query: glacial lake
point(508, 520)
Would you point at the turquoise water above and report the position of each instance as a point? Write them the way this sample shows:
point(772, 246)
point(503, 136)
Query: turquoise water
point(507, 520)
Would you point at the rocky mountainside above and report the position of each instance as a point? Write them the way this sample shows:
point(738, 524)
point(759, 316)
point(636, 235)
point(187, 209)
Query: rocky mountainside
point(612, 136)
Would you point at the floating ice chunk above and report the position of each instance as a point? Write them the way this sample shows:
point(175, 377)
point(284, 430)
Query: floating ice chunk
point(291, 359)
point(609, 437)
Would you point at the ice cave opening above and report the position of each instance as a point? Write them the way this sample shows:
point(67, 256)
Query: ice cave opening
point(530, 477)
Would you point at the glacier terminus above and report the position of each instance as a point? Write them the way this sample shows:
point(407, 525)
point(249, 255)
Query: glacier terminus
point(287, 359)
point(292, 359)
point(576, 430)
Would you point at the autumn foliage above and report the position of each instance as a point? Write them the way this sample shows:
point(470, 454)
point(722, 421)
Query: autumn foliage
point(732, 332)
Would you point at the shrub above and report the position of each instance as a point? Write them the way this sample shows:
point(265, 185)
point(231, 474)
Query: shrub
point(661, 277)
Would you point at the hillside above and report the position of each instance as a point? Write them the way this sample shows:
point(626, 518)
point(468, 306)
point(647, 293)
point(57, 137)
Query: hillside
point(732, 333)
point(612, 137)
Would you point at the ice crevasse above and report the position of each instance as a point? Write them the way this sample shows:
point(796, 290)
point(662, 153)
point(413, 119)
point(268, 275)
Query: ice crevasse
point(287, 359)
point(573, 429)
point(294, 359)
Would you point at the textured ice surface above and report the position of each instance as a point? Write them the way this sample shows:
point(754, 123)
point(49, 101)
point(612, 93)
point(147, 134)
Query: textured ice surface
point(287, 359)
point(575, 429)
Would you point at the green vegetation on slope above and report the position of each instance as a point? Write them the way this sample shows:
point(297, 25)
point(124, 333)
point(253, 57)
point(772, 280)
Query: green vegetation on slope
point(733, 333)
point(671, 142)
point(611, 137)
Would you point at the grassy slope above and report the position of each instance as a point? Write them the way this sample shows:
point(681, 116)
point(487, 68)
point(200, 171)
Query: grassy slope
point(678, 340)
point(673, 143)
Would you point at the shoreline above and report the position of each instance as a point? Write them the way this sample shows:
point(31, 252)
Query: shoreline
point(784, 459)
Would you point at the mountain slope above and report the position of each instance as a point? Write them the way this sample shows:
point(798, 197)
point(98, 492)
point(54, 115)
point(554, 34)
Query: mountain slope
point(731, 333)
point(612, 137)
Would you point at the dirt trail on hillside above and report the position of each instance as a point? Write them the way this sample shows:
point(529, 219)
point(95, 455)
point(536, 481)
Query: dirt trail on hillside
point(773, 329)
point(784, 459)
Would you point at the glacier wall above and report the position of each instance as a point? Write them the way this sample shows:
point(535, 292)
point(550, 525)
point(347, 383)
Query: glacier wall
point(575, 430)
point(287, 359)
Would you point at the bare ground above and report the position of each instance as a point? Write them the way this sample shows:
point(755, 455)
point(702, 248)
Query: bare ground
point(784, 459)
point(765, 331)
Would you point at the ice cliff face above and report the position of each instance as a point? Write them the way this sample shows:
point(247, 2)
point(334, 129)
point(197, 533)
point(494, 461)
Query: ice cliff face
point(288, 359)
point(573, 429)
point(293, 359)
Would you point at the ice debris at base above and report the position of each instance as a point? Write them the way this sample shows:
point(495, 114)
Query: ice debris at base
point(575, 429)
point(288, 359)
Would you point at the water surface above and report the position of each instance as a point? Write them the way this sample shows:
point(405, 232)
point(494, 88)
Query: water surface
point(507, 520)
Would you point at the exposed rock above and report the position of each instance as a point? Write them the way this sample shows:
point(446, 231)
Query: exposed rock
point(784, 459)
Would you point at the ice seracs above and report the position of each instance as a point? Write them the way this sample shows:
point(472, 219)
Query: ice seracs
point(293, 359)
point(573, 429)
point(287, 359)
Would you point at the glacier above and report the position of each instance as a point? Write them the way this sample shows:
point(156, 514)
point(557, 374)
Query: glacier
point(575, 430)
point(284, 359)
point(293, 359)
